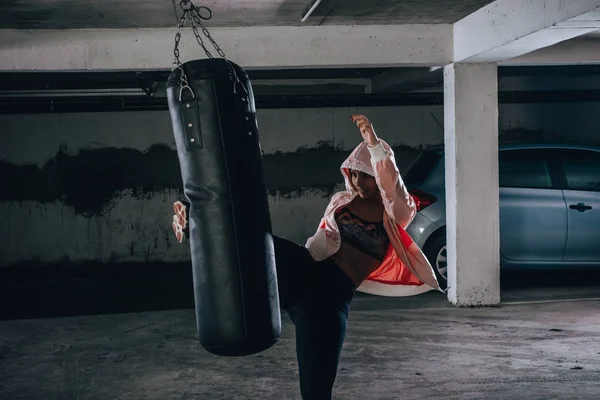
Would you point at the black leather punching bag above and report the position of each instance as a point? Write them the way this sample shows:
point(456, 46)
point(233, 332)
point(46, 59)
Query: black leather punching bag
point(233, 260)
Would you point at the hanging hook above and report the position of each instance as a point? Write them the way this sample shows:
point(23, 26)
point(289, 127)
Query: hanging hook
point(186, 5)
point(201, 9)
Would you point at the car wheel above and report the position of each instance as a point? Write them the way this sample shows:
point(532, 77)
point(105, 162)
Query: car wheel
point(435, 251)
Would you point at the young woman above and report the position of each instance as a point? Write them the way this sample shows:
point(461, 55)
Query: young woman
point(361, 244)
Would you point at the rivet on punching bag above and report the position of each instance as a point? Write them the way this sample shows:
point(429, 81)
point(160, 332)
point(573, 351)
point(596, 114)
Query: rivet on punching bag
point(232, 254)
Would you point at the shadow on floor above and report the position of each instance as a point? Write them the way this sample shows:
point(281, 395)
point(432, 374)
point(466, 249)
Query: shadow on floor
point(89, 289)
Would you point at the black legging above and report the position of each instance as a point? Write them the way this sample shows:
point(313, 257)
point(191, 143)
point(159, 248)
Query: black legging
point(317, 297)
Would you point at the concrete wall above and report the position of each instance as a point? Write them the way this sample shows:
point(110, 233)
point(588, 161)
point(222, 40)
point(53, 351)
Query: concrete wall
point(99, 187)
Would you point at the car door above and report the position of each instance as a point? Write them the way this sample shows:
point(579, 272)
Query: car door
point(580, 175)
point(533, 215)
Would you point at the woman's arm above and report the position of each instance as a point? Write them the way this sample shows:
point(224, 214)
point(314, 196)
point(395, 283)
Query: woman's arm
point(398, 203)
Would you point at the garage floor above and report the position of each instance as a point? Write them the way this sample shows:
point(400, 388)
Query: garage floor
point(540, 344)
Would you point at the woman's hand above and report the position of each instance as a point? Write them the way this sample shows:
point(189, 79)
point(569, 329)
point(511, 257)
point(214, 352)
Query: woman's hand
point(366, 129)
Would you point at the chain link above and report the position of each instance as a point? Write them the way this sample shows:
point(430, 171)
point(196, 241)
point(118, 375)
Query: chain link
point(215, 45)
point(194, 15)
point(201, 41)
point(183, 82)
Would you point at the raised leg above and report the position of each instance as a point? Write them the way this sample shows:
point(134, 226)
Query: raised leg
point(294, 268)
point(320, 334)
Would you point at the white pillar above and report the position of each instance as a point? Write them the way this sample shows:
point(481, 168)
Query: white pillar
point(471, 156)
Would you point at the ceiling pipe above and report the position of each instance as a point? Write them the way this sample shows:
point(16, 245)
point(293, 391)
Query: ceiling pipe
point(122, 92)
point(310, 10)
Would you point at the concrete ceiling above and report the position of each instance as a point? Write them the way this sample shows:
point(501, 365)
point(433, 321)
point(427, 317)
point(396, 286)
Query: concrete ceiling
point(79, 14)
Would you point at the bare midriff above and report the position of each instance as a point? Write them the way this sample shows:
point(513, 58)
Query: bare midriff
point(356, 264)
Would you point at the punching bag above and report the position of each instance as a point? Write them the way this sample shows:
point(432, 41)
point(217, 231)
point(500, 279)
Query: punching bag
point(235, 282)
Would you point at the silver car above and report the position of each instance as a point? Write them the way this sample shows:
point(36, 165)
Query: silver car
point(549, 206)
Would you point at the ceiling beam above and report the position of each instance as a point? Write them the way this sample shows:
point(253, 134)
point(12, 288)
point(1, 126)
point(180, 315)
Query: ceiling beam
point(506, 29)
point(250, 47)
point(573, 52)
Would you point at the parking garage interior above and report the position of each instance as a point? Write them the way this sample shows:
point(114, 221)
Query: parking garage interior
point(97, 296)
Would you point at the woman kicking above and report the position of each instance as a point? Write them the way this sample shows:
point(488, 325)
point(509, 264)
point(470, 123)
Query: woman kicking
point(360, 243)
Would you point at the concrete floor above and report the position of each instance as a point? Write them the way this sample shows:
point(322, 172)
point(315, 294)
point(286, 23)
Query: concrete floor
point(540, 344)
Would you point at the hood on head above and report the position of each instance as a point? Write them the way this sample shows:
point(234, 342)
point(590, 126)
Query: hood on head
point(359, 160)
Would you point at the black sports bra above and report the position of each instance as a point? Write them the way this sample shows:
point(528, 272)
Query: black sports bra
point(367, 236)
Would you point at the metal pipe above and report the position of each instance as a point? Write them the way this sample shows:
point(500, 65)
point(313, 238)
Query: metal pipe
point(71, 93)
point(312, 8)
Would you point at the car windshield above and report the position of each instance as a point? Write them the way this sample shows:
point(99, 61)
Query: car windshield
point(421, 168)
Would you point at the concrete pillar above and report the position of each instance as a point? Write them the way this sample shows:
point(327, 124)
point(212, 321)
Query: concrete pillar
point(471, 156)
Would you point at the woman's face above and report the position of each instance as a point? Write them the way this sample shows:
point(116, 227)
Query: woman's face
point(365, 184)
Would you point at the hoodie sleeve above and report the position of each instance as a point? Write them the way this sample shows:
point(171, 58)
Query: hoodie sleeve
point(398, 203)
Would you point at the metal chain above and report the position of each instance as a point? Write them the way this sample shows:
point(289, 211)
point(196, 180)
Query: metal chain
point(194, 15)
point(177, 62)
point(201, 41)
point(183, 82)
